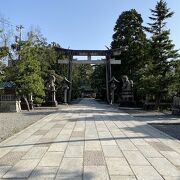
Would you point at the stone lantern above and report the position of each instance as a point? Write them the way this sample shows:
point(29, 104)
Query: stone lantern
point(112, 85)
point(51, 92)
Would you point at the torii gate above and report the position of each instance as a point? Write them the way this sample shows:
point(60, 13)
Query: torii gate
point(109, 54)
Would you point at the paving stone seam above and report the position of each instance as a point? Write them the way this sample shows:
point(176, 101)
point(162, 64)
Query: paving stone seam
point(123, 153)
point(22, 131)
point(39, 129)
point(102, 151)
point(84, 148)
point(160, 140)
point(18, 161)
point(157, 151)
point(169, 161)
point(36, 144)
point(19, 144)
point(141, 154)
point(39, 159)
point(162, 133)
point(158, 131)
point(44, 154)
point(102, 117)
point(64, 152)
point(39, 166)
point(48, 119)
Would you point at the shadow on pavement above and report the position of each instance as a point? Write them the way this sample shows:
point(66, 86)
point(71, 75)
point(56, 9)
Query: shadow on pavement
point(172, 129)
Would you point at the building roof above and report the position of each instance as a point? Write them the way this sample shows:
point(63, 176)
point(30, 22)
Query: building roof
point(6, 84)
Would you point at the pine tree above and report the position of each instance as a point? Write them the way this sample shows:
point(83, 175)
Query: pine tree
point(157, 75)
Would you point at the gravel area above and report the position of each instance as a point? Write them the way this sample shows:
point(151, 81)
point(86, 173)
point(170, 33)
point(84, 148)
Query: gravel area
point(172, 129)
point(11, 123)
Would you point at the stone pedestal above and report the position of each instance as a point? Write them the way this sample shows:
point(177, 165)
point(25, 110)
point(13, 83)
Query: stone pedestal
point(127, 99)
point(127, 95)
point(51, 92)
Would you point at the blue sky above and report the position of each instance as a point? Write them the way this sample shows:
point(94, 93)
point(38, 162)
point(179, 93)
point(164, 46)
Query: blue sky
point(81, 24)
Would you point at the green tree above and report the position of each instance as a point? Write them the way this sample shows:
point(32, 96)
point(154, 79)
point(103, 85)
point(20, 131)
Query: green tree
point(81, 79)
point(26, 72)
point(129, 35)
point(98, 81)
point(76, 89)
point(157, 75)
point(177, 78)
point(174, 89)
point(2, 70)
point(48, 59)
point(4, 51)
point(85, 72)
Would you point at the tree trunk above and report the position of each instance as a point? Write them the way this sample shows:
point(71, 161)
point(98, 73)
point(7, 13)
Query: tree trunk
point(27, 103)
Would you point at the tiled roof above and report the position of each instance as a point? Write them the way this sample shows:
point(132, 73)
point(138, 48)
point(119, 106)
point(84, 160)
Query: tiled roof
point(6, 84)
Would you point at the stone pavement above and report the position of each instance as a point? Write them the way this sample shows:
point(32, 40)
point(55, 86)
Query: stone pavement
point(88, 141)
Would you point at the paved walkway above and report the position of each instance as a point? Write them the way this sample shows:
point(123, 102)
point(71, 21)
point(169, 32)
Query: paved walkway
point(88, 141)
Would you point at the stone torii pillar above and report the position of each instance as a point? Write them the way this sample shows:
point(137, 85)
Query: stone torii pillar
point(108, 78)
point(66, 85)
point(70, 78)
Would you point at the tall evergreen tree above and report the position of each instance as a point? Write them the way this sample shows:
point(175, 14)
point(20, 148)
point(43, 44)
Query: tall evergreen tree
point(129, 35)
point(157, 75)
